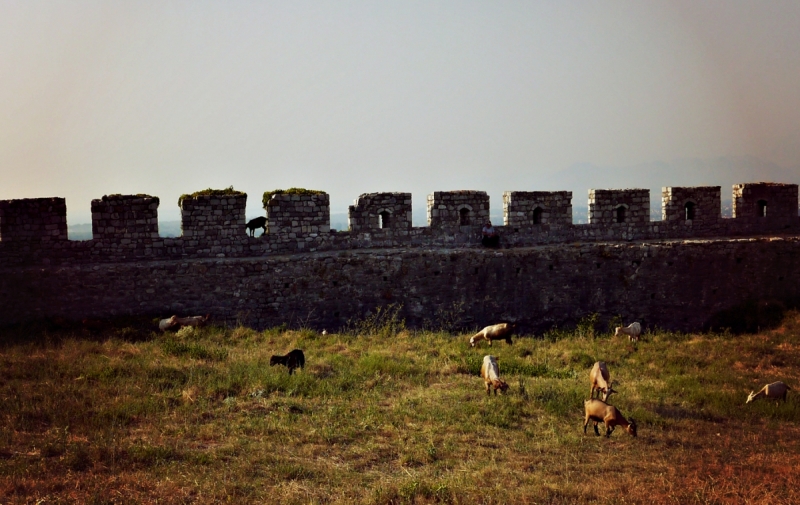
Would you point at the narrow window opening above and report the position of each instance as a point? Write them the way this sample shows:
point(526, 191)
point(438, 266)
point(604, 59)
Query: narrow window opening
point(385, 219)
point(688, 211)
point(620, 214)
point(537, 215)
point(463, 215)
point(762, 208)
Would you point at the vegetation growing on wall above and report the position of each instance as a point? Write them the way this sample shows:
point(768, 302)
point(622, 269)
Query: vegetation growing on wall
point(291, 191)
point(137, 195)
point(229, 191)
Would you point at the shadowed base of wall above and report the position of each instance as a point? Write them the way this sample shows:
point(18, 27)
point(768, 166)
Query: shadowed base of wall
point(753, 316)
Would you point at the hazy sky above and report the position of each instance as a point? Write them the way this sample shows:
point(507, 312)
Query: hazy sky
point(353, 97)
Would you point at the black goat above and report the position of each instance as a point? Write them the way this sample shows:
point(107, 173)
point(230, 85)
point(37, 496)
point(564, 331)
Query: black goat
point(259, 222)
point(295, 359)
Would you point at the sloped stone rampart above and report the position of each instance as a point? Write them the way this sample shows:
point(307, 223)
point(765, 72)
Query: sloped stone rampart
point(539, 286)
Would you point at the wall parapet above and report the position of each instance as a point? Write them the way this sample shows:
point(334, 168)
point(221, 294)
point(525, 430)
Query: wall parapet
point(125, 217)
point(125, 227)
point(453, 209)
point(296, 215)
point(532, 208)
point(212, 217)
point(373, 211)
point(33, 220)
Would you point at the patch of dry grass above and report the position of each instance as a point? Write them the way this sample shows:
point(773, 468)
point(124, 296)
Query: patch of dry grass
point(200, 417)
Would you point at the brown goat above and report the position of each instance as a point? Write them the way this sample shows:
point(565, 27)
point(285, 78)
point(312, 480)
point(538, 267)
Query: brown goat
point(599, 411)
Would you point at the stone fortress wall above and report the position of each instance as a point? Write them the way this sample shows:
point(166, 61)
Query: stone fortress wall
point(674, 273)
point(125, 227)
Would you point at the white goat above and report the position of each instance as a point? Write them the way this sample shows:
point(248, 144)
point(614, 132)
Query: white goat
point(633, 331)
point(776, 390)
point(500, 331)
point(168, 324)
point(491, 375)
point(599, 377)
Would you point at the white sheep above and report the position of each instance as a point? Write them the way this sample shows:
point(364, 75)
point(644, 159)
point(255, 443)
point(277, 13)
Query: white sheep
point(776, 390)
point(633, 331)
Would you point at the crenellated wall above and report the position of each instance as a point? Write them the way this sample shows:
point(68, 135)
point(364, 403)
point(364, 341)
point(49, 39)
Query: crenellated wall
point(388, 211)
point(765, 201)
point(211, 219)
point(33, 220)
point(453, 209)
point(531, 208)
point(125, 217)
point(296, 215)
point(697, 207)
point(547, 268)
point(125, 226)
point(627, 208)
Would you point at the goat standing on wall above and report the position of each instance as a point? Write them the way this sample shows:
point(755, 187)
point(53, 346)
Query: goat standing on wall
point(259, 222)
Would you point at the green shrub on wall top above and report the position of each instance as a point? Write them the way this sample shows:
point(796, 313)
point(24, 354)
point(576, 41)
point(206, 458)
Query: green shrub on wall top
point(291, 191)
point(229, 191)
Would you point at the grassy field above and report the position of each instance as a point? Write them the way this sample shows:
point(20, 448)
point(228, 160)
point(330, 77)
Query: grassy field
point(386, 415)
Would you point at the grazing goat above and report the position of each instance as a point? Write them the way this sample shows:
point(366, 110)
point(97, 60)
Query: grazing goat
point(500, 331)
point(776, 390)
point(491, 375)
point(633, 331)
point(295, 359)
point(168, 324)
point(600, 383)
point(599, 411)
point(259, 222)
point(193, 320)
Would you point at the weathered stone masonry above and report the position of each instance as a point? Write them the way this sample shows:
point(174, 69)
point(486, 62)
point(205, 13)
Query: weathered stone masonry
point(671, 273)
point(670, 284)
